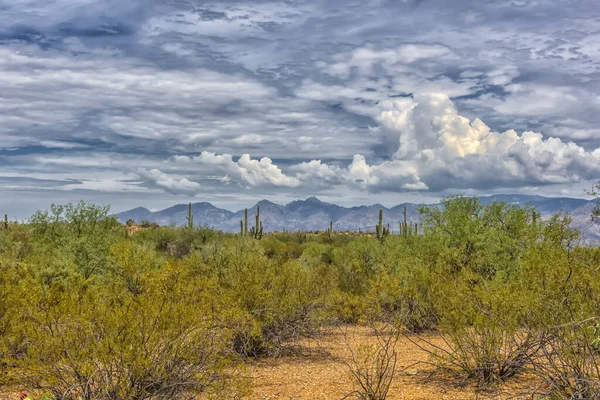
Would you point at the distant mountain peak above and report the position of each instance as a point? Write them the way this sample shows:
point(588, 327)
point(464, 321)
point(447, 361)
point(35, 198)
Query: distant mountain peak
point(265, 202)
point(139, 209)
point(203, 204)
point(313, 200)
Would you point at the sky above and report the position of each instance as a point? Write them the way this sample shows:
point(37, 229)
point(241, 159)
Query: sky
point(153, 103)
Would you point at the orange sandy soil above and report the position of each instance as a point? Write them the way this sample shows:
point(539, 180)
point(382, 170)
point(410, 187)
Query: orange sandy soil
point(319, 371)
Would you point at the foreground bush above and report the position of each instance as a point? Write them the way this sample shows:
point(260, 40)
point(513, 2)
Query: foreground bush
point(569, 360)
point(497, 281)
point(373, 367)
point(165, 339)
point(280, 299)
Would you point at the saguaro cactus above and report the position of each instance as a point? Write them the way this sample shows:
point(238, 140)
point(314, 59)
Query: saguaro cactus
point(301, 236)
point(405, 224)
point(190, 217)
point(382, 231)
point(246, 222)
point(257, 216)
point(257, 229)
point(330, 230)
point(6, 222)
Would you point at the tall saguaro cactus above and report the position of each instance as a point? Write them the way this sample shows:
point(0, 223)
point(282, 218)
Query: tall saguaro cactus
point(382, 231)
point(246, 222)
point(257, 229)
point(6, 222)
point(190, 217)
point(405, 224)
point(330, 230)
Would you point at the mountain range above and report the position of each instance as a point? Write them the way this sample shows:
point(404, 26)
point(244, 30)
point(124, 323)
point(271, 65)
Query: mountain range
point(313, 214)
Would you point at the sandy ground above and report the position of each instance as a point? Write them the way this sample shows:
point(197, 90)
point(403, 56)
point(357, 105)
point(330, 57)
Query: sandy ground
point(320, 371)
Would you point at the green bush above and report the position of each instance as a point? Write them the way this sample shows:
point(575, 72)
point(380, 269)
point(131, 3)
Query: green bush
point(167, 337)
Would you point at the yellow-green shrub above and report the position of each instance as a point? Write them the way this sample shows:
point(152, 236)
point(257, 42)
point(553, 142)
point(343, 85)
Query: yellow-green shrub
point(169, 337)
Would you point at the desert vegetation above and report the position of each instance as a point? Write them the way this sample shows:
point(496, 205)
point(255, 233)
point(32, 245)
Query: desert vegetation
point(91, 309)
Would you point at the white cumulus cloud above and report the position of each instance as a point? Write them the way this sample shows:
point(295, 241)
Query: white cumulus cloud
point(434, 148)
point(167, 182)
point(248, 171)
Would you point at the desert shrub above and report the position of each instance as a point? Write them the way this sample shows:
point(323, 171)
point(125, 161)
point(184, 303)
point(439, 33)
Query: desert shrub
point(407, 297)
point(148, 224)
point(484, 239)
point(472, 288)
point(315, 253)
point(15, 244)
point(566, 283)
point(281, 250)
point(503, 278)
point(130, 263)
point(176, 242)
point(83, 233)
point(357, 263)
point(167, 339)
point(481, 327)
point(347, 308)
point(569, 361)
point(373, 366)
point(403, 286)
point(280, 298)
point(595, 191)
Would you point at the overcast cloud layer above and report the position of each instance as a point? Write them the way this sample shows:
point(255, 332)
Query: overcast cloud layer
point(152, 103)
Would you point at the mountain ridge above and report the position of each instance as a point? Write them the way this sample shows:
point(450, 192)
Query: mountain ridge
point(313, 214)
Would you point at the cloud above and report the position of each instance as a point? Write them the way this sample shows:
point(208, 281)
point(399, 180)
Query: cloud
point(85, 18)
point(395, 60)
point(437, 149)
point(446, 150)
point(246, 170)
point(167, 182)
point(106, 185)
point(540, 100)
point(125, 98)
point(226, 21)
point(57, 144)
point(137, 106)
point(316, 172)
